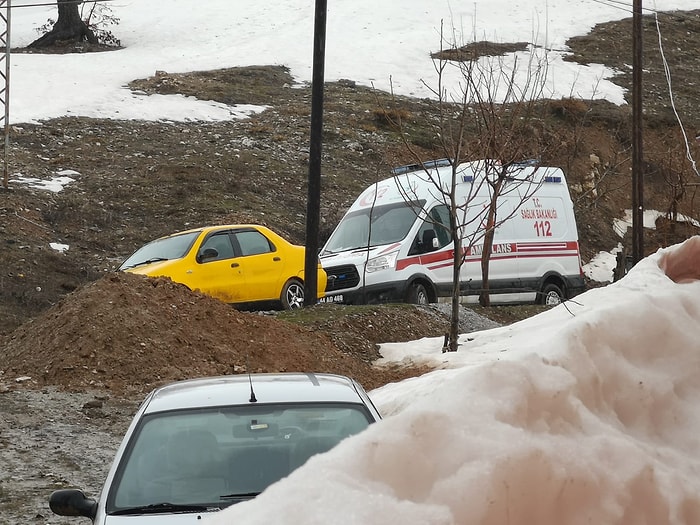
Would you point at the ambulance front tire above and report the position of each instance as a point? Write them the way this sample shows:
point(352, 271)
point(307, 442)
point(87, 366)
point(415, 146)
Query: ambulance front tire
point(417, 294)
point(552, 295)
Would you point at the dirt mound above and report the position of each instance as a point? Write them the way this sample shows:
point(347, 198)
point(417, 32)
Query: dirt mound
point(127, 332)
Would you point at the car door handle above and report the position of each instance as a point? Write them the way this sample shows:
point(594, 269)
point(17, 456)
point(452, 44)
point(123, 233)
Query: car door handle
point(276, 259)
point(234, 265)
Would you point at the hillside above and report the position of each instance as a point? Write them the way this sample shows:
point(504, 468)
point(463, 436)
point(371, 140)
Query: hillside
point(134, 181)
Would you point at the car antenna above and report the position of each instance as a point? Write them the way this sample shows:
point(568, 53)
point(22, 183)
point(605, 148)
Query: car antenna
point(252, 399)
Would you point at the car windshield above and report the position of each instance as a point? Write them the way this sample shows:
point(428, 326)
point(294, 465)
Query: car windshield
point(173, 247)
point(211, 458)
point(389, 223)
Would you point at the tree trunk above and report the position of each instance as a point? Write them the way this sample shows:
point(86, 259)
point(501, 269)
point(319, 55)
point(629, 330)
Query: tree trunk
point(457, 260)
point(484, 295)
point(69, 28)
point(453, 342)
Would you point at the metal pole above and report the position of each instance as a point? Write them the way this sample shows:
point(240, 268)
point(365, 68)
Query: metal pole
point(5, 90)
point(313, 203)
point(637, 154)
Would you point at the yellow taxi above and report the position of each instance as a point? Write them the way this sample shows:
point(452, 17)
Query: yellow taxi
point(239, 264)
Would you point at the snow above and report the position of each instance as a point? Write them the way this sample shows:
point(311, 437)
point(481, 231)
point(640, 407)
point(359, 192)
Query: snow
point(59, 247)
point(601, 267)
point(384, 44)
point(583, 414)
point(54, 184)
point(621, 225)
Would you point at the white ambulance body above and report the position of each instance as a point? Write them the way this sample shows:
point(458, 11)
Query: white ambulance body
point(394, 245)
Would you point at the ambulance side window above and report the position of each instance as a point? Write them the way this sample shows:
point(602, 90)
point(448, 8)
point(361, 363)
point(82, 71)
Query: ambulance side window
point(434, 233)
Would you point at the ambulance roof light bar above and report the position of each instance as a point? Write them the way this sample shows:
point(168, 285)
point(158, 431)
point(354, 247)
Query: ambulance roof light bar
point(427, 165)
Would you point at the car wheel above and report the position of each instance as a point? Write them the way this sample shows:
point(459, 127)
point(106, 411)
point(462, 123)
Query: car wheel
point(292, 294)
point(552, 295)
point(418, 294)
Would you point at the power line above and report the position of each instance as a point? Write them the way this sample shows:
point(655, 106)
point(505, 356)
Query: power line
point(611, 3)
point(51, 4)
point(667, 73)
point(619, 4)
point(627, 7)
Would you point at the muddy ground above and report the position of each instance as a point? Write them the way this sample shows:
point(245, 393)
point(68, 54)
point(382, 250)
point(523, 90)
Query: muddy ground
point(68, 389)
point(80, 345)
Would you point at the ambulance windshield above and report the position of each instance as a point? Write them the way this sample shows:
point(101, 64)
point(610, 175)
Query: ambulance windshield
point(389, 223)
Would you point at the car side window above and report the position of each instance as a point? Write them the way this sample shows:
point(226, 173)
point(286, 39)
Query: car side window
point(221, 243)
point(253, 242)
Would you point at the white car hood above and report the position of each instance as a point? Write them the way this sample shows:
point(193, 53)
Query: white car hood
point(156, 519)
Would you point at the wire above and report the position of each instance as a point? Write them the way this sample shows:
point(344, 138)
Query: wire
point(625, 6)
point(610, 3)
point(667, 72)
point(51, 4)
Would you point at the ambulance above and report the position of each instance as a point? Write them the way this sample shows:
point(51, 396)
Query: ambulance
point(394, 243)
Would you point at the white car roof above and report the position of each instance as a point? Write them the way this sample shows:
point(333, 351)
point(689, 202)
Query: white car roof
point(268, 388)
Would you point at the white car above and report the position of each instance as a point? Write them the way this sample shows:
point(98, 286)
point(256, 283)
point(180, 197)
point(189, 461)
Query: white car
point(200, 445)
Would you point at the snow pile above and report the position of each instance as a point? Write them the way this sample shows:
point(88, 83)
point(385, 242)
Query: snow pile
point(583, 414)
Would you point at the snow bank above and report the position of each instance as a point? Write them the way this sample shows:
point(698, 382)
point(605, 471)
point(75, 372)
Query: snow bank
point(585, 415)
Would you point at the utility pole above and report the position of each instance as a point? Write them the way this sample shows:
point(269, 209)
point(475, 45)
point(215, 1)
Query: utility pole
point(637, 155)
point(313, 203)
point(5, 10)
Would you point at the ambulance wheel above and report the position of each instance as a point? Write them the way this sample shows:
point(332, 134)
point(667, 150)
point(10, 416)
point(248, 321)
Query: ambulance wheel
point(552, 295)
point(417, 294)
point(292, 294)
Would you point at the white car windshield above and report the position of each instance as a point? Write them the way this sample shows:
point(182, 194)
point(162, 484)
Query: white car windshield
point(389, 223)
point(210, 458)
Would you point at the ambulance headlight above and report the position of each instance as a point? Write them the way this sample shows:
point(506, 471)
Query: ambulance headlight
point(383, 262)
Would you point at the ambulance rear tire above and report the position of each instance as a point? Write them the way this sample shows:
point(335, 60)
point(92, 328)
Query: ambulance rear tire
point(552, 295)
point(418, 294)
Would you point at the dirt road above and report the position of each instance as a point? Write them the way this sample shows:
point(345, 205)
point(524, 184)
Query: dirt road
point(50, 439)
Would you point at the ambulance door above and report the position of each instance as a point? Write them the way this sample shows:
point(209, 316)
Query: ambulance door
point(504, 271)
point(504, 266)
point(544, 221)
point(431, 245)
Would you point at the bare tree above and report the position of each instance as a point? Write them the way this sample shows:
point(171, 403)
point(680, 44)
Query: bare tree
point(69, 27)
point(494, 121)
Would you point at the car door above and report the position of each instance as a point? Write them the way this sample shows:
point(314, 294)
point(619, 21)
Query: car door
point(261, 263)
point(218, 272)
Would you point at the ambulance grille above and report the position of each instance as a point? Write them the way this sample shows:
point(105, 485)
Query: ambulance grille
point(342, 277)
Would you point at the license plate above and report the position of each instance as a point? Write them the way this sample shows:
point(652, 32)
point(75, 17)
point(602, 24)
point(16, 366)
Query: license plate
point(331, 299)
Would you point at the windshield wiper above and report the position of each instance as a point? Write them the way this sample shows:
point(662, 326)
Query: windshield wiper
point(147, 261)
point(243, 495)
point(157, 508)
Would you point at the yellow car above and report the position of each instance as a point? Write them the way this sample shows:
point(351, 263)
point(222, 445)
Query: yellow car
point(238, 264)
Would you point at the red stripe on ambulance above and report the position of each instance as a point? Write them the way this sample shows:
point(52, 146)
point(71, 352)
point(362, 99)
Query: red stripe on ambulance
point(442, 259)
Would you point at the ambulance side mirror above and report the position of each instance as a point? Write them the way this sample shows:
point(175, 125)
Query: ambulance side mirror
point(430, 241)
